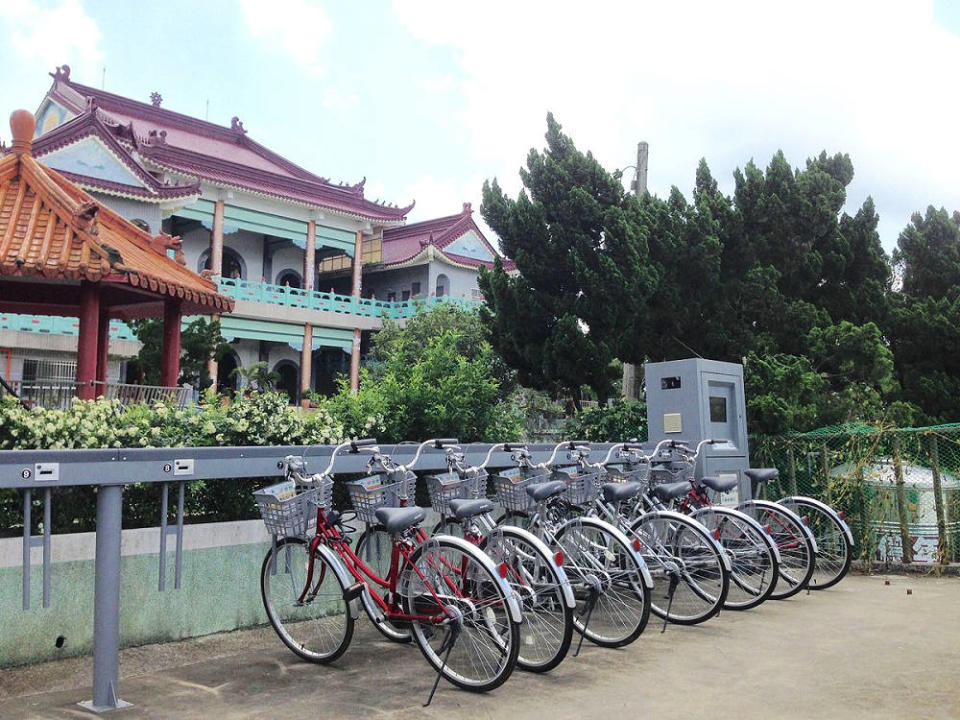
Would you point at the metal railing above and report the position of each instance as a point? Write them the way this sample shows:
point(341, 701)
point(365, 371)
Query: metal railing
point(261, 292)
point(61, 393)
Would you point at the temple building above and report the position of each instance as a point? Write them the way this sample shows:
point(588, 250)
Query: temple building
point(313, 267)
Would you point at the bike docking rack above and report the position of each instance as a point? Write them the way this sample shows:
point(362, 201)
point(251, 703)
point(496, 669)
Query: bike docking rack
point(110, 470)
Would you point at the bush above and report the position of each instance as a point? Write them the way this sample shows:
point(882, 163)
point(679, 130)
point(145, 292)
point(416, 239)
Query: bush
point(623, 420)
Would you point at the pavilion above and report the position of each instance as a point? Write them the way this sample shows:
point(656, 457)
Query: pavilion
point(64, 253)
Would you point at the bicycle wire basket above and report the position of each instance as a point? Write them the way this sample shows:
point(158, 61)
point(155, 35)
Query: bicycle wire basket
point(511, 488)
point(582, 484)
point(376, 491)
point(450, 486)
point(639, 472)
point(289, 509)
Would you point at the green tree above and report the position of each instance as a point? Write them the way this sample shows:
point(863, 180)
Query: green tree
point(582, 272)
point(199, 341)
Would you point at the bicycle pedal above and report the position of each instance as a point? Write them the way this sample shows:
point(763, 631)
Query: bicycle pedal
point(353, 592)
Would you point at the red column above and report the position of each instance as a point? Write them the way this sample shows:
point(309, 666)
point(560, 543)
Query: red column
point(103, 357)
point(89, 316)
point(170, 355)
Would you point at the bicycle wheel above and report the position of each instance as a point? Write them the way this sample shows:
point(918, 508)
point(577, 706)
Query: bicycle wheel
point(689, 569)
point(319, 627)
point(603, 569)
point(793, 539)
point(374, 548)
point(539, 584)
point(754, 563)
point(834, 541)
point(463, 624)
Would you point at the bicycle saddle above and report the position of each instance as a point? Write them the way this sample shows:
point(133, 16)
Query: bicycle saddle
point(396, 520)
point(759, 475)
point(546, 490)
point(669, 491)
point(720, 485)
point(464, 509)
point(618, 492)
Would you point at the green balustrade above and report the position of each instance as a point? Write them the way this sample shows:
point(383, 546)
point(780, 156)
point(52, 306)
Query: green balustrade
point(57, 325)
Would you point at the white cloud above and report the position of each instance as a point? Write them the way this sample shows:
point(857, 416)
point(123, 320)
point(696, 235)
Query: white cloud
point(49, 35)
point(728, 81)
point(296, 28)
point(337, 100)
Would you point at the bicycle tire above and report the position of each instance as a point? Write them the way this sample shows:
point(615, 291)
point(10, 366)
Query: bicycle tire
point(377, 557)
point(689, 568)
point(834, 540)
point(314, 630)
point(797, 546)
point(622, 609)
point(754, 559)
point(467, 584)
point(539, 584)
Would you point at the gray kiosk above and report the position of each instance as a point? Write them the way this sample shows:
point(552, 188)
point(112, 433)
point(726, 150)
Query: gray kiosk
point(696, 399)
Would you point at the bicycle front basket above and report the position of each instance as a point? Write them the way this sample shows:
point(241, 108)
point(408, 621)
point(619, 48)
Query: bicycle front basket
point(291, 511)
point(377, 491)
point(450, 486)
point(627, 473)
point(511, 486)
point(581, 485)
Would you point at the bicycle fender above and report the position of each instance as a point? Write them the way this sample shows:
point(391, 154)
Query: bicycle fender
point(343, 576)
point(513, 605)
point(674, 515)
point(808, 533)
point(803, 499)
point(541, 546)
point(742, 517)
point(616, 532)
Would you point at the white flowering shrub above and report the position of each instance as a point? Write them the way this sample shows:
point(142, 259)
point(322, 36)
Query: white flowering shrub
point(259, 419)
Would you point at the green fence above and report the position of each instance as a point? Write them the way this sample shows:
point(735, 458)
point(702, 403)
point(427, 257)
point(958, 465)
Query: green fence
point(899, 488)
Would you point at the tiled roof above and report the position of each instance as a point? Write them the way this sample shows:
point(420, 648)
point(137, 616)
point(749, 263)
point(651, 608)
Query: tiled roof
point(221, 155)
point(53, 229)
point(96, 124)
point(403, 244)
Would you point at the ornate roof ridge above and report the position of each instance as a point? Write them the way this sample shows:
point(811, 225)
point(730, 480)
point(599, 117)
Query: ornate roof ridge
point(91, 123)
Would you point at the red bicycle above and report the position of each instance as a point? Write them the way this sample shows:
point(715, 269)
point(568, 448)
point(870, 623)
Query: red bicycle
point(443, 591)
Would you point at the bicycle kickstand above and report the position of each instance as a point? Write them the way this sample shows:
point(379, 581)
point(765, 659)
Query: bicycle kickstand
point(593, 582)
point(674, 581)
point(456, 625)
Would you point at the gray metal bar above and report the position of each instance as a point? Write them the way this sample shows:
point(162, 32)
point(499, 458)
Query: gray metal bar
point(27, 501)
point(106, 607)
point(178, 562)
point(162, 582)
point(47, 513)
point(148, 465)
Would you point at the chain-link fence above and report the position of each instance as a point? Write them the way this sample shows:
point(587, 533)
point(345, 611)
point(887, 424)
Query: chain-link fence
point(898, 487)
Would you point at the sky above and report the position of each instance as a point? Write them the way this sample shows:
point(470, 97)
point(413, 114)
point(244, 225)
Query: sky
point(428, 98)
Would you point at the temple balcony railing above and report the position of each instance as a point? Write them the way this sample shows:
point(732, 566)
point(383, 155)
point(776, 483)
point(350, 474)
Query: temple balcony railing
point(60, 393)
point(260, 292)
point(56, 325)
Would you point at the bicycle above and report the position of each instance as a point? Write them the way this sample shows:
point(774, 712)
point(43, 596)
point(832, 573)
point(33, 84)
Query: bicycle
point(610, 581)
point(830, 530)
point(795, 543)
point(690, 570)
point(454, 600)
point(754, 557)
point(536, 574)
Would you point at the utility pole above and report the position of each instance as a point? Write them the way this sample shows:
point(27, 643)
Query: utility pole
point(639, 187)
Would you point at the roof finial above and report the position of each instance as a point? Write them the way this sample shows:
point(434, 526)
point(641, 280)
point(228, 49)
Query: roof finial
point(22, 126)
point(468, 208)
point(61, 73)
point(155, 99)
point(235, 124)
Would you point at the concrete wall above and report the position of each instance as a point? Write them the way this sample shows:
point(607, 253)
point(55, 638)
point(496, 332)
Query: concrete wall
point(397, 281)
point(461, 282)
point(288, 258)
point(246, 244)
point(220, 590)
point(132, 209)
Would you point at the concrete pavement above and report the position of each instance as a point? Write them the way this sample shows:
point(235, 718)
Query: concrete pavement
point(863, 649)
